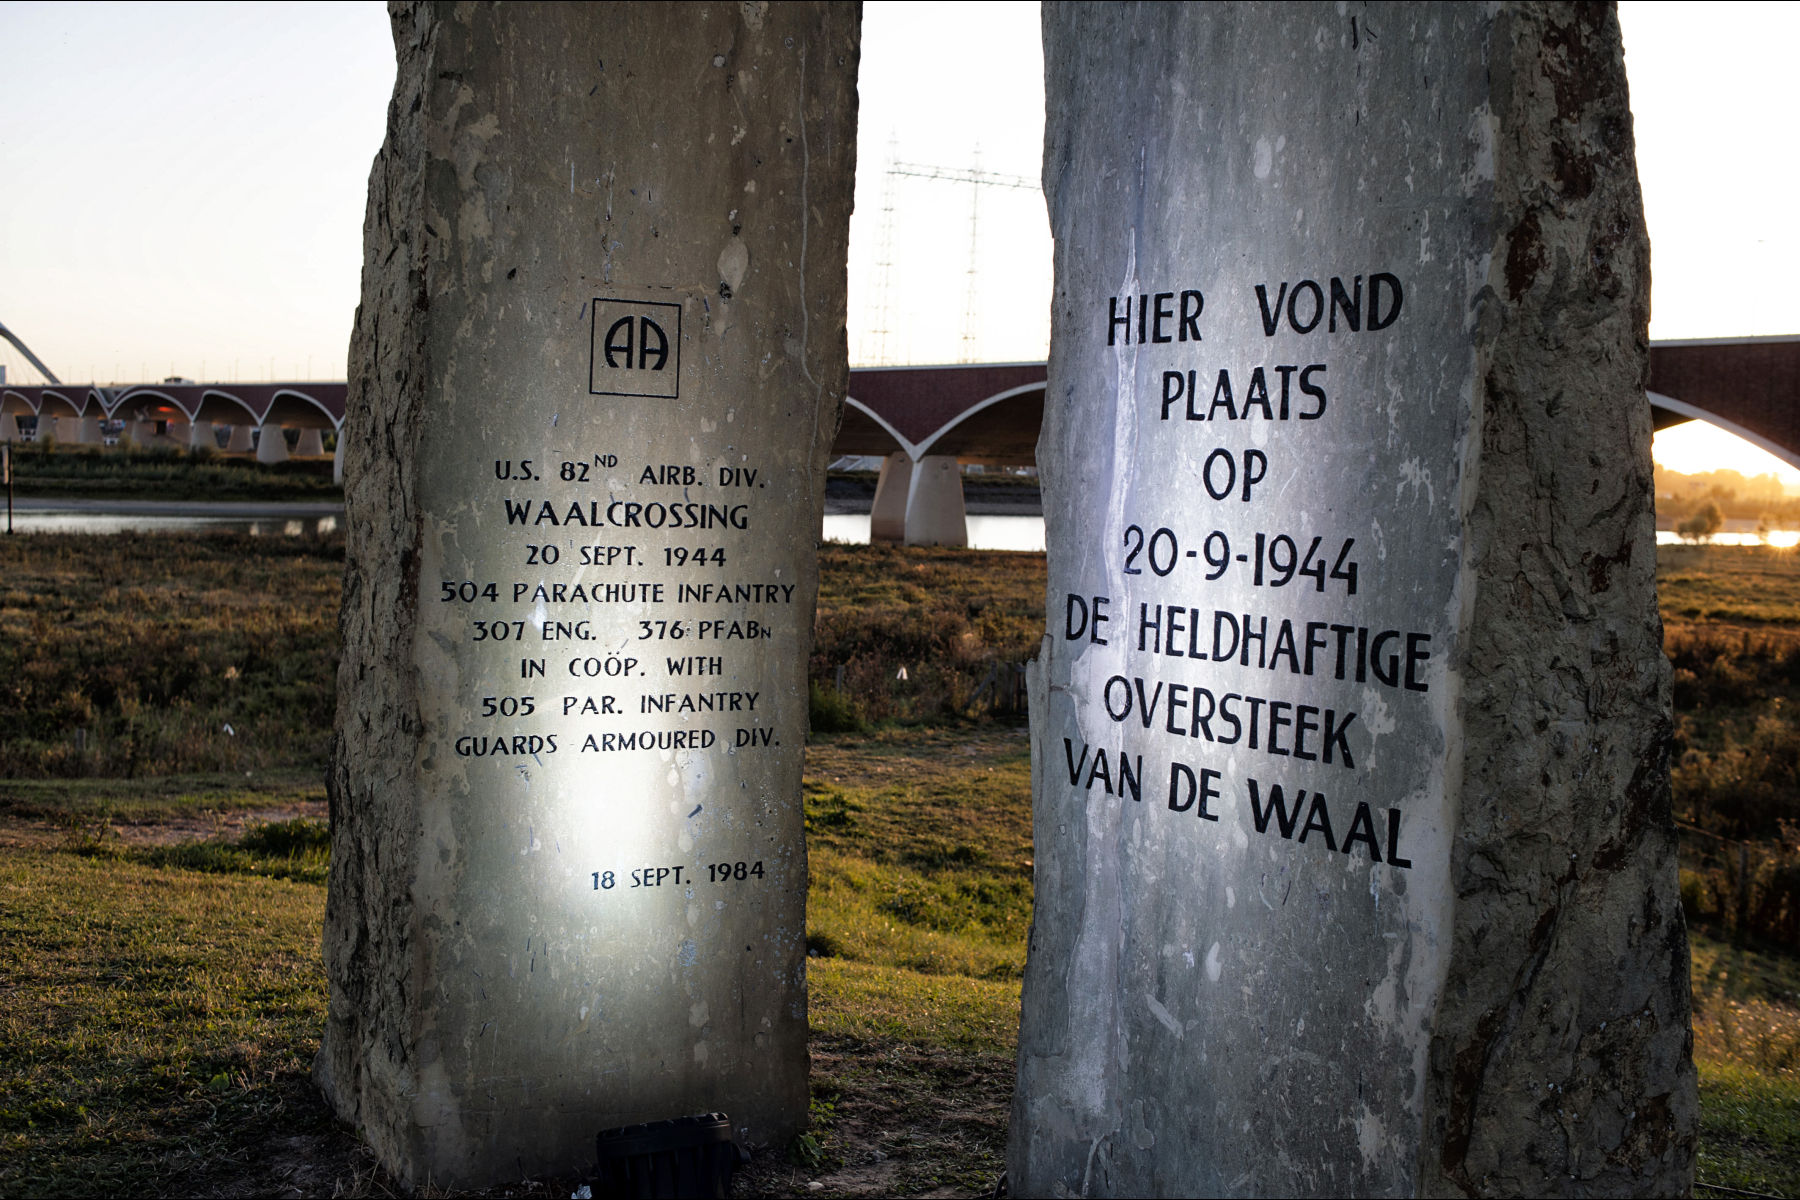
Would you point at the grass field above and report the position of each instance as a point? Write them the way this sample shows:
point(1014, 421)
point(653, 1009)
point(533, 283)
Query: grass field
point(165, 473)
point(160, 990)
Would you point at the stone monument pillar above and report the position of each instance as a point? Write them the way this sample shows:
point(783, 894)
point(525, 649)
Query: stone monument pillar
point(1354, 861)
point(595, 376)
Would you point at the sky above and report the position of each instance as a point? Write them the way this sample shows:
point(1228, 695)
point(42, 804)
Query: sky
point(187, 183)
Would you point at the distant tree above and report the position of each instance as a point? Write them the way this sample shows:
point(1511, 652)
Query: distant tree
point(1703, 524)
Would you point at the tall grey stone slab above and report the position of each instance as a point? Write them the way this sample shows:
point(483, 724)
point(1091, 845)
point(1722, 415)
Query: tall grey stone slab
point(1355, 865)
point(594, 379)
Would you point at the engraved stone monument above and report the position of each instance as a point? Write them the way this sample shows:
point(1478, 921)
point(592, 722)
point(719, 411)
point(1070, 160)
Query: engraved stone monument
point(1354, 862)
point(594, 379)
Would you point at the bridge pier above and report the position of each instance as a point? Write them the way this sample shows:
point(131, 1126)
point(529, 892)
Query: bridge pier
point(311, 444)
point(271, 447)
point(10, 432)
point(200, 436)
point(90, 434)
point(241, 442)
point(935, 515)
point(887, 518)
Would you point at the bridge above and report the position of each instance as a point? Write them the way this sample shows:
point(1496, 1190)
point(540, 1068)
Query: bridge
point(925, 423)
point(927, 420)
point(184, 414)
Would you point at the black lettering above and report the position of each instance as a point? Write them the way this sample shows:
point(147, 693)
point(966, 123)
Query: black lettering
point(1145, 624)
point(1147, 708)
point(1391, 676)
point(1277, 808)
point(1271, 319)
point(647, 327)
point(1293, 306)
point(618, 341)
point(1172, 391)
point(1258, 395)
point(1377, 319)
point(1190, 321)
point(1335, 732)
point(1393, 840)
point(1362, 829)
point(1305, 722)
point(1114, 320)
point(1163, 313)
point(1350, 304)
point(1222, 396)
point(1318, 820)
point(1308, 387)
point(1416, 653)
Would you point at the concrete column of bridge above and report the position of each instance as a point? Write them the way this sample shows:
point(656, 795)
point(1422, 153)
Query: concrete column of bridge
point(311, 444)
point(242, 441)
point(887, 519)
point(271, 445)
point(9, 428)
point(143, 432)
point(200, 436)
point(935, 515)
point(176, 432)
point(89, 433)
point(66, 430)
point(337, 460)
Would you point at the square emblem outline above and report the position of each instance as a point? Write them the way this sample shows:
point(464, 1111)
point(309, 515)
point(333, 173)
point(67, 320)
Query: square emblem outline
point(594, 345)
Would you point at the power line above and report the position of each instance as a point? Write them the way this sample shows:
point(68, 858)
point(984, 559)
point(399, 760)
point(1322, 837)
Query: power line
point(975, 178)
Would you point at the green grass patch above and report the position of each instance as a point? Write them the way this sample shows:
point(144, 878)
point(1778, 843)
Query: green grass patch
point(139, 655)
point(1731, 584)
point(920, 844)
point(298, 848)
point(873, 1003)
point(166, 473)
point(78, 802)
point(914, 634)
point(155, 1021)
point(1747, 1049)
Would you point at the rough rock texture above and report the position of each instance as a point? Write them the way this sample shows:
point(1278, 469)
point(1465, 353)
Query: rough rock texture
point(1455, 962)
point(502, 987)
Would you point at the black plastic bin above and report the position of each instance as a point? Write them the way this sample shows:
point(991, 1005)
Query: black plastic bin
point(668, 1160)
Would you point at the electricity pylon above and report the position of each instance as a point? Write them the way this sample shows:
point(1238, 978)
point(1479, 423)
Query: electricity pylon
point(975, 178)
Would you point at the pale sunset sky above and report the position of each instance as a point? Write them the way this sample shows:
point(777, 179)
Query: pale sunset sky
point(186, 185)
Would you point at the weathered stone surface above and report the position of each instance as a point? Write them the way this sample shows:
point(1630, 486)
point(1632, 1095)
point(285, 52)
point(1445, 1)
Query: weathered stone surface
point(1461, 969)
point(605, 268)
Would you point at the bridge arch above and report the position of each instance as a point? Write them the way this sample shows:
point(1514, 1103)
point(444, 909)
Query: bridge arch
point(131, 403)
point(1693, 412)
point(222, 407)
point(1002, 427)
point(64, 402)
point(291, 406)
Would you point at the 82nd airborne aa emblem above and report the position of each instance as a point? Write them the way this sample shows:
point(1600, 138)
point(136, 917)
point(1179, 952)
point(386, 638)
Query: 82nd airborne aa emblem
point(636, 349)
